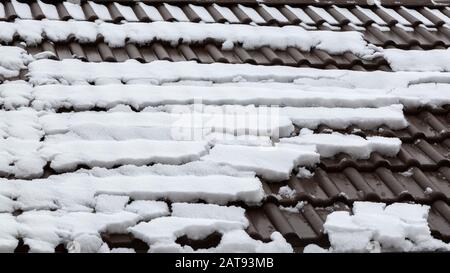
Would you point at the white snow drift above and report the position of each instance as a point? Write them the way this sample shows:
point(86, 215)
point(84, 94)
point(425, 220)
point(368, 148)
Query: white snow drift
point(375, 227)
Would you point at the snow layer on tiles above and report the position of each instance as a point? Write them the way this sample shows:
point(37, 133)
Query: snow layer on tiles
point(195, 168)
point(398, 87)
point(272, 163)
point(76, 192)
point(329, 145)
point(67, 155)
point(8, 233)
point(168, 229)
point(161, 125)
point(148, 209)
point(110, 203)
point(375, 227)
point(209, 211)
point(140, 96)
point(174, 32)
point(12, 60)
point(42, 231)
point(22, 124)
point(15, 95)
point(21, 158)
point(418, 60)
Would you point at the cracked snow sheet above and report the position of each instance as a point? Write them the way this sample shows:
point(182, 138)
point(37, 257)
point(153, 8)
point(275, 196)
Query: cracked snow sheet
point(77, 192)
point(22, 124)
point(418, 60)
point(68, 155)
point(15, 94)
point(21, 158)
point(164, 126)
point(71, 71)
point(309, 117)
point(197, 221)
point(329, 145)
point(377, 227)
point(115, 35)
point(272, 163)
point(12, 60)
point(139, 96)
point(42, 230)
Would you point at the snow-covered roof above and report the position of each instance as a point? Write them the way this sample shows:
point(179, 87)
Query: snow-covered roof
point(224, 126)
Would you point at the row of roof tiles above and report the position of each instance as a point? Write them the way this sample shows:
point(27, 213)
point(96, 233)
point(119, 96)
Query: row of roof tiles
point(260, 14)
point(207, 53)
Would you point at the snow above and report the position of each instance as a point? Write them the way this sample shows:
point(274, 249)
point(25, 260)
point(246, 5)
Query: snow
point(418, 60)
point(67, 155)
point(75, 11)
point(127, 12)
point(12, 60)
point(148, 209)
point(209, 211)
point(77, 191)
point(8, 233)
point(286, 192)
point(168, 229)
point(375, 227)
point(101, 11)
point(347, 14)
point(202, 13)
point(391, 86)
point(272, 163)
point(21, 158)
point(42, 231)
point(110, 203)
point(234, 241)
point(49, 10)
point(252, 13)
point(22, 124)
point(226, 13)
point(329, 145)
point(142, 33)
point(176, 12)
point(151, 11)
point(304, 173)
point(275, 13)
point(301, 15)
point(165, 126)
point(325, 15)
point(15, 94)
point(22, 9)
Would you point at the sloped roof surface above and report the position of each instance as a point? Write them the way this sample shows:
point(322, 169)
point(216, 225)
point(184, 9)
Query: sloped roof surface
point(419, 173)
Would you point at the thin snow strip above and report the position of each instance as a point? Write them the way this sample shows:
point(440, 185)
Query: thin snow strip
point(22, 124)
point(161, 125)
point(68, 155)
point(15, 94)
point(375, 227)
point(418, 60)
point(148, 209)
point(139, 96)
point(272, 163)
point(329, 145)
point(12, 60)
point(32, 31)
point(209, 211)
point(76, 192)
point(309, 117)
point(72, 71)
point(195, 168)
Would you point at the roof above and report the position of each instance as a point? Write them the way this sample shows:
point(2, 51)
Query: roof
point(82, 90)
